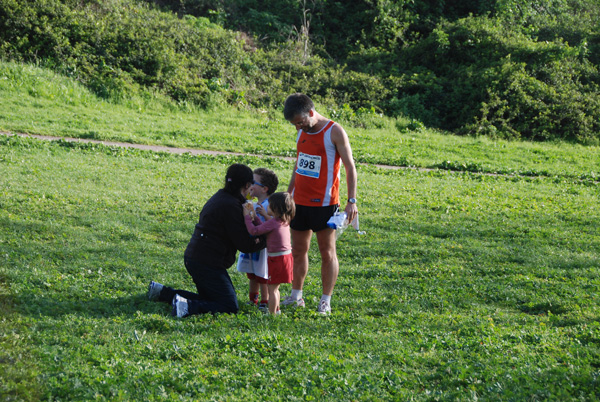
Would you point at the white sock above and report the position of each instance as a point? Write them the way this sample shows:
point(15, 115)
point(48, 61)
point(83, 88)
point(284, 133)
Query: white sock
point(296, 294)
point(326, 299)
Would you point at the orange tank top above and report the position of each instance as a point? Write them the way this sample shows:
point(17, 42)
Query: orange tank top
point(317, 180)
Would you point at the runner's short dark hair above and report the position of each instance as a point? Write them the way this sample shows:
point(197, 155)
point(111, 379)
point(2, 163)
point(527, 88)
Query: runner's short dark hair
point(297, 104)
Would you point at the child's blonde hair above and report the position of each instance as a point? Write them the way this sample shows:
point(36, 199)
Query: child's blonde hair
point(282, 204)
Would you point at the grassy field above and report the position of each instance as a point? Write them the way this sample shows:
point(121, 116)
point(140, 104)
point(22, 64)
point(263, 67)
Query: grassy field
point(466, 286)
point(33, 100)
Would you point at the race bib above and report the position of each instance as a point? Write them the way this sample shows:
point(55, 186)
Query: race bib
point(309, 165)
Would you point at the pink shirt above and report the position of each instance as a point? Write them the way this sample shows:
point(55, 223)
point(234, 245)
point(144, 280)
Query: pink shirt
point(278, 233)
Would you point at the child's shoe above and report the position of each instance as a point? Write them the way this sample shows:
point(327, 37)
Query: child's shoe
point(253, 300)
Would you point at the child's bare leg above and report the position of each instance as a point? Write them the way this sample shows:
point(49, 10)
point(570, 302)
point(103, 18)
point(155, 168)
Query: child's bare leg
point(273, 298)
point(254, 288)
point(264, 292)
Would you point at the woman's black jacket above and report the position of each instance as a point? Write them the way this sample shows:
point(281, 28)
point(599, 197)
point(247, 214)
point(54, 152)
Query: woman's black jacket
point(221, 231)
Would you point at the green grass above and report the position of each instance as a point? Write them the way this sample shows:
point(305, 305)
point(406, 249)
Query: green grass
point(34, 100)
point(464, 287)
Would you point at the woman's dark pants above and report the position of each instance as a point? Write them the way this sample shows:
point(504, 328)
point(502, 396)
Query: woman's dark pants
point(216, 293)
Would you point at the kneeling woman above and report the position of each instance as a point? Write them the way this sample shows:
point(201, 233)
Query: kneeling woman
point(219, 233)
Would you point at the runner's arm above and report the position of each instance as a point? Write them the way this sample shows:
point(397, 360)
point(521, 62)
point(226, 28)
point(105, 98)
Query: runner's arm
point(292, 181)
point(342, 144)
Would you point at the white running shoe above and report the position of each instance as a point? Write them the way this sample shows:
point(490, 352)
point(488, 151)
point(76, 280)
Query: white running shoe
point(154, 290)
point(180, 307)
point(324, 308)
point(288, 301)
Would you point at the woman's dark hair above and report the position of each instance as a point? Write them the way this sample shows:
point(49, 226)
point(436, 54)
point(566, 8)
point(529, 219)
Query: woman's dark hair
point(283, 205)
point(237, 176)
point(297, 104)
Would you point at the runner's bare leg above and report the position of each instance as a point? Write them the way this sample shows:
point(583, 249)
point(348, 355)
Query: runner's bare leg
point(329, 262)
point(300, 246)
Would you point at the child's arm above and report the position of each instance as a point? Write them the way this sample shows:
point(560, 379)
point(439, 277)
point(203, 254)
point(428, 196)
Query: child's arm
point(261, 228)
point(261, 211)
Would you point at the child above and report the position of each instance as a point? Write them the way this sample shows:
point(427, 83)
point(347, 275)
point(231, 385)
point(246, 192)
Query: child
point(265, 184)
point(279, 213)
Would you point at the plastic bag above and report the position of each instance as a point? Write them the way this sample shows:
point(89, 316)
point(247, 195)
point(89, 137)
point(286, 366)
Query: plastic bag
point(254, 263)
point(339, 222)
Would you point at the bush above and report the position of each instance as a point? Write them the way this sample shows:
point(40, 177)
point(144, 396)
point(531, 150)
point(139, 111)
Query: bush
point(477, 77)
point(120, 46)
point(501, 68)
point(554, 107)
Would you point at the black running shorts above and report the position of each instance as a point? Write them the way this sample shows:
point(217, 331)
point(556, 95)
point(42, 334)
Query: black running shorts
point(312, 218)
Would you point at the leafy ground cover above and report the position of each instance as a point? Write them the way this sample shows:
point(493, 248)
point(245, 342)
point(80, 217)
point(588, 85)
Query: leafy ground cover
point(465, 287)
point(33, 100)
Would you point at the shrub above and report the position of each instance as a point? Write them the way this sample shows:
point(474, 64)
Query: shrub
point(501, 68)
point(120, 46)
point(554, 107)
point(477, 77)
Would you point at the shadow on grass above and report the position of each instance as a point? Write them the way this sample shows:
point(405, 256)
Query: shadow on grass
point(90, 308)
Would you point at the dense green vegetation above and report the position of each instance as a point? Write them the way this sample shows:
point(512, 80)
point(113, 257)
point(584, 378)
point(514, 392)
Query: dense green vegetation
point(502, 69)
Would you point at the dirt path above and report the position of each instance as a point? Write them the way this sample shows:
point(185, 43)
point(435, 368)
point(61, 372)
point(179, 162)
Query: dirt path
point(161, 148)
point(192, 151)
point(155, 148)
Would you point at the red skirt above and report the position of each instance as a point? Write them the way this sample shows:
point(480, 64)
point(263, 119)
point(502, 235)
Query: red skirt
point(281, 269)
